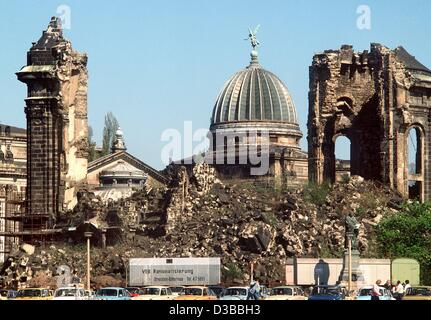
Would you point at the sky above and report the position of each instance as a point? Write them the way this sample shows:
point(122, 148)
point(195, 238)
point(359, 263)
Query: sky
point(156, 64)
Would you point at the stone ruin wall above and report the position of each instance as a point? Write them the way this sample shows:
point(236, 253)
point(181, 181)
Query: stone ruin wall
point(366, 97)
point(73, 77)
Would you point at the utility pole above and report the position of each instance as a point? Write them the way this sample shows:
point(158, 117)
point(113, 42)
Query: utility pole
point(251, 274)
point(127, 278)
point(88, 235)
point(350, 262)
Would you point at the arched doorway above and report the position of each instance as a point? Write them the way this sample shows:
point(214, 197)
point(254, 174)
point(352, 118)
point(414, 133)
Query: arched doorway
point(342, 151)
point(414, 163)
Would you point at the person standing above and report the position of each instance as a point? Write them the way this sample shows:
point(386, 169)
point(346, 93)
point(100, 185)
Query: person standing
point(375, 292)
point(257, 292)
point(399, 290)
point(253, 291)
point(408, 285)
point(388, 285)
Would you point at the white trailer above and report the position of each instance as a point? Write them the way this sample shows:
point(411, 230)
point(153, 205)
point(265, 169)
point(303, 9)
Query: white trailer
point(308, 271)
point(174, 271)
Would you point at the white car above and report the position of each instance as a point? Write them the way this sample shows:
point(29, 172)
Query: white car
point(70, 293)
point(235, 293)
point(365, 293)
point(155, 293)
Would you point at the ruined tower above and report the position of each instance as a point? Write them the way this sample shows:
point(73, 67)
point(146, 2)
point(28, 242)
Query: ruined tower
point(56, 110)
point(376, 99)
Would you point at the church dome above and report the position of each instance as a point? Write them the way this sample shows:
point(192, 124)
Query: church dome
point(254, 94)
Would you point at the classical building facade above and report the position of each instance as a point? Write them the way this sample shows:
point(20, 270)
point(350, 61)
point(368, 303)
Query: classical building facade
point(254, 118)
point(380, 100)
point(119, 174)
point(13, 156)
point(56, 110)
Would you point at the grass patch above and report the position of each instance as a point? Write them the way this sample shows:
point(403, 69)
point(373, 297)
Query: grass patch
point(316, 193)
point(271, 219)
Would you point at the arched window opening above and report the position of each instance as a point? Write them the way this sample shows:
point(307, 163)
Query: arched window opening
point(342, 159)
point(414, 163)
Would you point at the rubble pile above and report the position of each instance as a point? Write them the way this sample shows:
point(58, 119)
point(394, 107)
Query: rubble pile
point(243, 223)
point(239, 221)
point(29, 266)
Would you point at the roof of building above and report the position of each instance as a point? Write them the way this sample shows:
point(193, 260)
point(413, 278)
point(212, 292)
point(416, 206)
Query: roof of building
point(128, 158)
point(254, 94)
point(13, 130)
point(409, 61)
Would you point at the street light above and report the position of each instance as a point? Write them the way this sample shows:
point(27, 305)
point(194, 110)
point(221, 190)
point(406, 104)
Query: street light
point(88, 235)
point(349, 237)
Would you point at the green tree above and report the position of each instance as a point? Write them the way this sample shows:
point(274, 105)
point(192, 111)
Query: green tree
point(407, 234)
point(92, 155)
point(111, 126)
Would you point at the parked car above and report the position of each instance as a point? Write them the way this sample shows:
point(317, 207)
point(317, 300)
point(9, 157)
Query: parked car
point(70, 293)
point(418, 293)
point(155, 293)
point(364, 293)
point(235, 293)
point(196, 293)
point(286, 293)
point(264, 292)
point(218, 290)
point(176, 290)
point(12, 294)
point(328, 293)
point(34, 294)
point(134, 291)
point(112, 293)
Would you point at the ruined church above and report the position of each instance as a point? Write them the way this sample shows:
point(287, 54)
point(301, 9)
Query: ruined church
point(380, 100)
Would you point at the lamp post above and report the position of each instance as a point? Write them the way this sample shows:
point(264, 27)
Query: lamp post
point(88, 235)
point(252, 271)
point(349, 237)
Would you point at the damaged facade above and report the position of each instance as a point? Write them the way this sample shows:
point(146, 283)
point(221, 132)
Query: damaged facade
point(56, 110)
point(376, 99)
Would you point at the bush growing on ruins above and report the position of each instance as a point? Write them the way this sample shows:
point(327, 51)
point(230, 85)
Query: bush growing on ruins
point(231, 273)
point(345, 178)
point(271, 219)
point(407, 234)
point(316, 193)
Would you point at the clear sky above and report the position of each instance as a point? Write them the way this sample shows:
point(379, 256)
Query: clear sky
point(156, 64)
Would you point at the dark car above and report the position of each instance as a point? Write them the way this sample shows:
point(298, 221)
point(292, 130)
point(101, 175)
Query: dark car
point(12, 294)
point(328, 293)
point(218, 290)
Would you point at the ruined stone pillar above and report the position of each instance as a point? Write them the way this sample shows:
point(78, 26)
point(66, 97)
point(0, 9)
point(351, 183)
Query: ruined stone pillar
point(56, 110)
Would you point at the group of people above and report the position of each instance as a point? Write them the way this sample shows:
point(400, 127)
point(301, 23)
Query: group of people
point(398, 290)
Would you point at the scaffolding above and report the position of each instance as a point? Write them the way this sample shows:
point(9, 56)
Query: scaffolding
point(17, 226)
point(13, 204)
